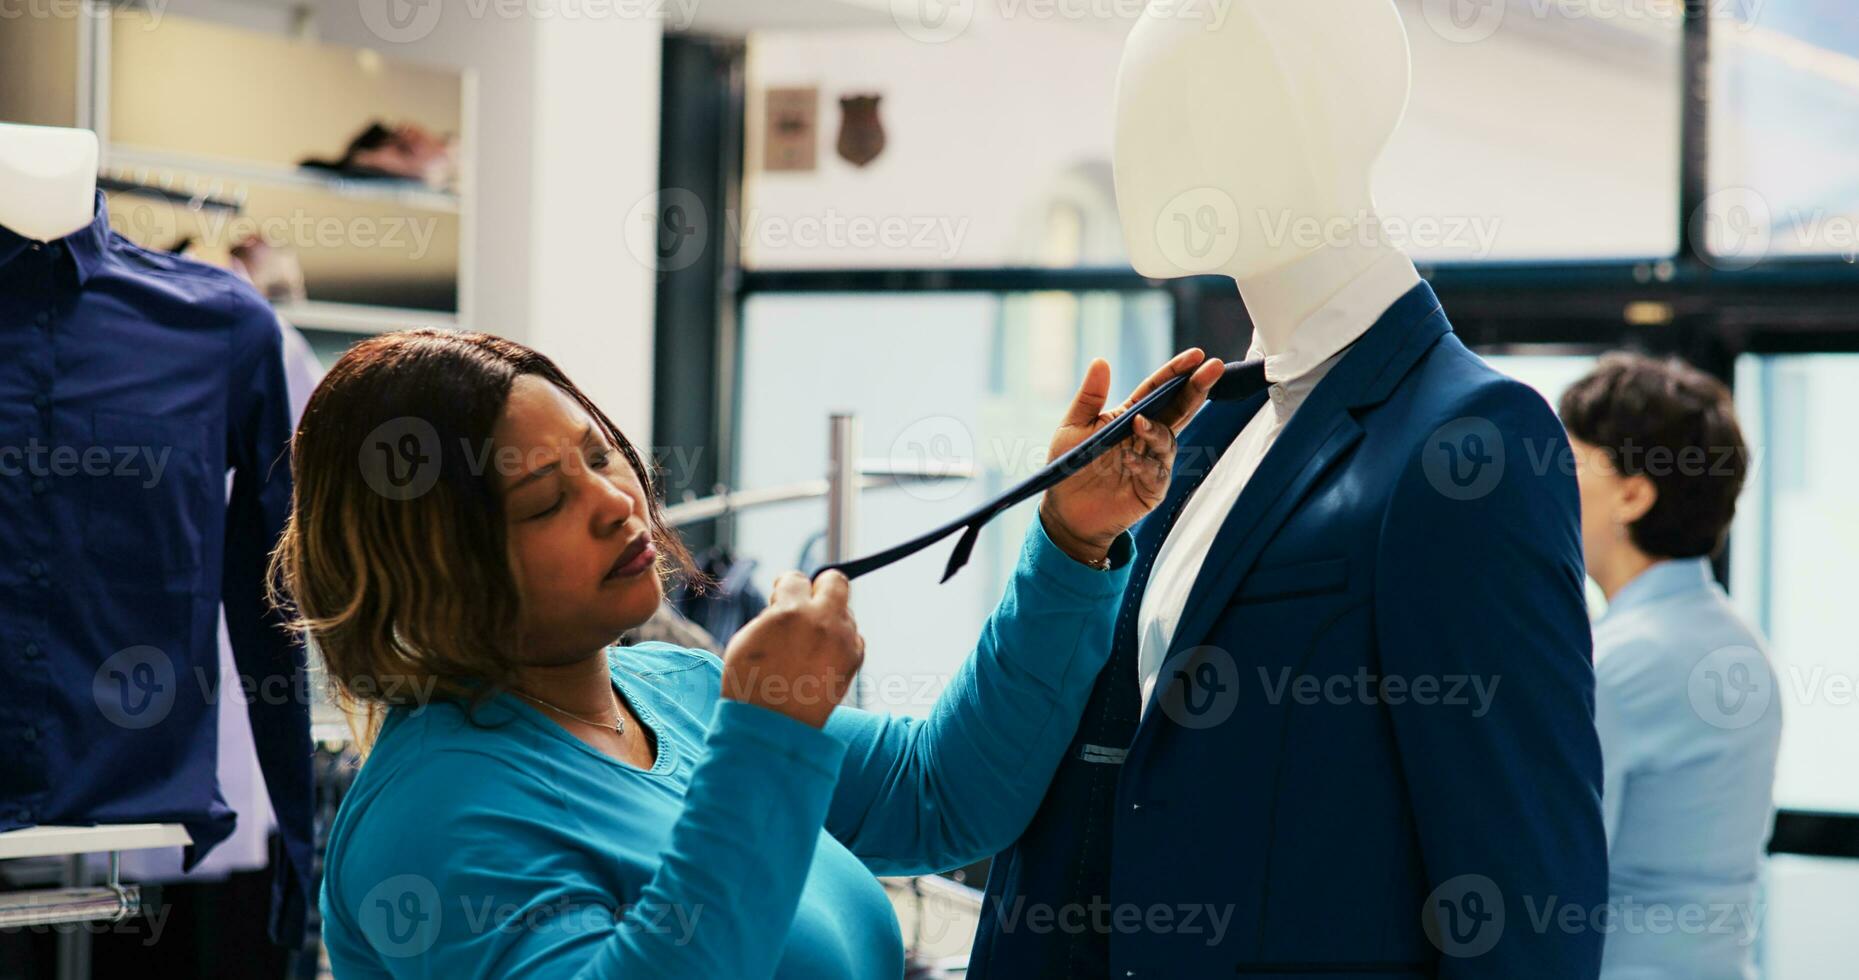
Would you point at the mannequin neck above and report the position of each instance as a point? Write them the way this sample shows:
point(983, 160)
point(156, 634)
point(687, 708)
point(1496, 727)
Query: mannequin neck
point(48, 181)
point(1281, 299)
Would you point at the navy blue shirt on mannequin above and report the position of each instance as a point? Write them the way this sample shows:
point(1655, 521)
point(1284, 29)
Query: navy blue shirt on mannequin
point(131, 383)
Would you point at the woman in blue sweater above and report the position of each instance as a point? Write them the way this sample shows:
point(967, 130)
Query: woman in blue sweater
point(469, 535)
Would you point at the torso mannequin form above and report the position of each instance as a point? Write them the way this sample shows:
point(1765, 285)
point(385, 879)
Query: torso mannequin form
point(48, 180)
point(1248, 149)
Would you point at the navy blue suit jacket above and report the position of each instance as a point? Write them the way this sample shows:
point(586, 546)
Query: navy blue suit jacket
point(1371, 749)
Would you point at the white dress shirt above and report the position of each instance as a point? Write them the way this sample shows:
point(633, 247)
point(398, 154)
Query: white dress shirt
point(1316, 345)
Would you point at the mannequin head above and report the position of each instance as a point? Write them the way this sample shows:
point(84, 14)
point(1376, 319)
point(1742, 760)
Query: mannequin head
point(1234, 136)
point(48, 180)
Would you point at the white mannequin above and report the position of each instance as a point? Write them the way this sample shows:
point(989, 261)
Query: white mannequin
point(1233, 133)
point(48, 180)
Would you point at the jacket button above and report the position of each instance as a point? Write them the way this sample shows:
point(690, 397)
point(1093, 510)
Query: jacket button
point(30, 735)
point(32, 651)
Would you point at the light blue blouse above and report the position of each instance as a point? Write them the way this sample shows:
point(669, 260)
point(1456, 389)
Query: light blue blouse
point(509, 848)
point(1690, 715)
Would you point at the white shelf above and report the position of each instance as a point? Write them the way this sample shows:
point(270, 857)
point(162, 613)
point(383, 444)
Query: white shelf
point(351, 318)
point(45, 841)
point(200, 173)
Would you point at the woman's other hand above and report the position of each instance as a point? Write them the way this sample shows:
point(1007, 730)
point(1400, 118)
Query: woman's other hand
point(1085, 514)
point(799, 656)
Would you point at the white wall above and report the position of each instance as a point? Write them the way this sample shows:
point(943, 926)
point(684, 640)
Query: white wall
point(564, 138)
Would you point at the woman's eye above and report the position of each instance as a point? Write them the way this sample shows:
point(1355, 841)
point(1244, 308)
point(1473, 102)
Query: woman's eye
point(552, 509)
point(601, 459)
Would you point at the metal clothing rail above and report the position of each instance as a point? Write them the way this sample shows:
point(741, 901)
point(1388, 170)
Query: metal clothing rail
point(74, 902)
point(112, 902)
point(846, 477)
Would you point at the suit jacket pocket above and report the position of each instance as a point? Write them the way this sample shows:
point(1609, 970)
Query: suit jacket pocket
point(1307, 578)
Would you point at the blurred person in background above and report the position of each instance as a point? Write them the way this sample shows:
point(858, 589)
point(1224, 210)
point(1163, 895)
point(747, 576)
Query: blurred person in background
point(1685, 699)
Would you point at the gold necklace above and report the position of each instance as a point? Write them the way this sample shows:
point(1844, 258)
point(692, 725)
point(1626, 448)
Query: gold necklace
point(619, 720)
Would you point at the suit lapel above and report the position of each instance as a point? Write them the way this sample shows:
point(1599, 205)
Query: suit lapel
point(1202, 444)
point(1323, 430)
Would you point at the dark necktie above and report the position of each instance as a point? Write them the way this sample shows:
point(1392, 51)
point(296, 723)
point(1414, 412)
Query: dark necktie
point(1241, 381)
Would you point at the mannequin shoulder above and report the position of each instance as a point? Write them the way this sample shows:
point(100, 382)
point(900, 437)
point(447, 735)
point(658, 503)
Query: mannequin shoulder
point(1453, 384)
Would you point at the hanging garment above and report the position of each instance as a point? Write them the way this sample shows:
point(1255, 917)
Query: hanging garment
point(722, 609)
point(130, 383)
point(241, 780)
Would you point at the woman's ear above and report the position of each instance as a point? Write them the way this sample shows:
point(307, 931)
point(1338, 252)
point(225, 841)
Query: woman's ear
point(1638, 494)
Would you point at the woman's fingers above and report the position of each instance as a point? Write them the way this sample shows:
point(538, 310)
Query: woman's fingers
point(1092, 393)
point(790, 588)
point(1181, 363)
point(832, 589)
point(1158, 439)
point(1180, 412)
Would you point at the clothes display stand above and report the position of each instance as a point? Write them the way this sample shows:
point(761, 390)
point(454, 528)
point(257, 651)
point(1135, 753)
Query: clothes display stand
point(77, 902)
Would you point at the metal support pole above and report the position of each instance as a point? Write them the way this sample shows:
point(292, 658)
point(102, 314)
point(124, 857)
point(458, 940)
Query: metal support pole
point(843, 481)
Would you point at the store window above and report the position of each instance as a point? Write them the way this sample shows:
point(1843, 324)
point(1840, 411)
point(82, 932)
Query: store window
point(1795, 550)
point(1785, 92)
point(1549, 132)
point(1538, 131)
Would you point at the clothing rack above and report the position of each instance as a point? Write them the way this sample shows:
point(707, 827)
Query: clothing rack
point(847, 477)
point(191, 193)
point(74, 901)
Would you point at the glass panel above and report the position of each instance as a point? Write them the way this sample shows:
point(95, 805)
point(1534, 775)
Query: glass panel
point(1550, 131)
point(1808, 926)
point(977, 379)
point(1785, 93)
point(1539, 130)
point(1794, 558)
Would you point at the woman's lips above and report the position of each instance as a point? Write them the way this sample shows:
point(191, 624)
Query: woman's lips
point(624, 567)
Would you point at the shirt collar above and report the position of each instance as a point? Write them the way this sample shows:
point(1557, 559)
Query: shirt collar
point(1670, 577)
point(11, 244)
point(91, 245)
point(88, 245)
point(1341, 321)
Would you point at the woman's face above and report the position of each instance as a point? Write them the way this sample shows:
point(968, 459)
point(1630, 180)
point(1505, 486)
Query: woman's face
point(580, 545)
